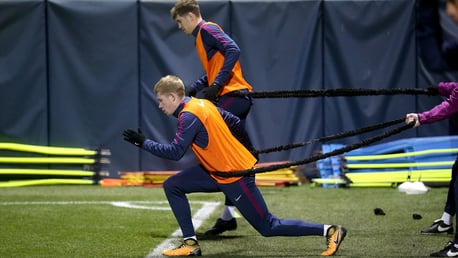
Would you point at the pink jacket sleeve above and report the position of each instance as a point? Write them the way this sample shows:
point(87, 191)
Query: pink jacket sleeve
point(445, 109)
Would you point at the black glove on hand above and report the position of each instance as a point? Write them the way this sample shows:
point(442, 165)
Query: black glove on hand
point(136, 138)
point(190, 91)
point(212, 92)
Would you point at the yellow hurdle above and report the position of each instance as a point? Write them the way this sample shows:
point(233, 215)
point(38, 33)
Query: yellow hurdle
point(401, 165)
point(53, 172)
point(18, 183)
point(47, 149)
point(402, 155)
point(51, 160)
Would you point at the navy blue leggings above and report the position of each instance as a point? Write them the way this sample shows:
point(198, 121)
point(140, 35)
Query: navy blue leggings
point(244, 194)
point(452, 196)
point(239, 106)
point(450, 205)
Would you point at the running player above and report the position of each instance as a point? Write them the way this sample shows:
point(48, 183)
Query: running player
point(209, 131)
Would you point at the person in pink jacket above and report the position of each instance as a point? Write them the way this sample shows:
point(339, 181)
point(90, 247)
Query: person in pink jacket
point(444, 110)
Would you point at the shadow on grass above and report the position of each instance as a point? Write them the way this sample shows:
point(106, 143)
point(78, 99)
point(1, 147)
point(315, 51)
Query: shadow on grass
point(202, 236)
point(218, 238)
point(234, 253)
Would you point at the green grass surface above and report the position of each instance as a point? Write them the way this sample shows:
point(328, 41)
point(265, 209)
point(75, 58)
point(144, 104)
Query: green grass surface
point(84, 228)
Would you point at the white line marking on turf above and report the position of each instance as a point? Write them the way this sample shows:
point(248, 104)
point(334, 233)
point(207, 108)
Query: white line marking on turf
point(77, 202)
point(201, 215)
point(133, 206)
point(121, 204)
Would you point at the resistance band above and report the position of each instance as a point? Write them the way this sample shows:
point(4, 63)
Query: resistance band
point(316, 157)
point(331, 137)
point(337, 93)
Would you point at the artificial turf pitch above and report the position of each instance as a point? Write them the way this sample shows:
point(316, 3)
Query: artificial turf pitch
point(82, 221)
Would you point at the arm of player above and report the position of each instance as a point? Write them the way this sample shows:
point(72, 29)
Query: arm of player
point(189, 126)
point(217, 39)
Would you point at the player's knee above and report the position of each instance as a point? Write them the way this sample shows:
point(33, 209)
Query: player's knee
point(169, 184)
point(265, 232)
point(267, 227)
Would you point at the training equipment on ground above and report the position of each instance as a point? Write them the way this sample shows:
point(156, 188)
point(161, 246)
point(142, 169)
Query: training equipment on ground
point(28, 165)
point(426, 160)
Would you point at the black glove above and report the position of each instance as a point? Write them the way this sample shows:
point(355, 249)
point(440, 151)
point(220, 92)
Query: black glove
point(190, 91)
point(212, 92)
point(136, 138)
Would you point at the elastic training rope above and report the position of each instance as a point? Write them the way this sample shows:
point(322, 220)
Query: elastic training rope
point(431, 91)
point(330, 137)
point(316, 157)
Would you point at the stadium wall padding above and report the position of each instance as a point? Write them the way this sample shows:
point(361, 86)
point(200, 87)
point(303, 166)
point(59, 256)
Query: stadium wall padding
point(77, 73)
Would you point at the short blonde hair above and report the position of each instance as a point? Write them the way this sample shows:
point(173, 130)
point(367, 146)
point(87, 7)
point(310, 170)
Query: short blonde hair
point(169, 84)
point(183, 7)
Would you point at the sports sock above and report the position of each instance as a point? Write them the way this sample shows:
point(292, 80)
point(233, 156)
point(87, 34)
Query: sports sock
point(193, 237)
point(228, 213)
point(447, 218)
point(325, 229)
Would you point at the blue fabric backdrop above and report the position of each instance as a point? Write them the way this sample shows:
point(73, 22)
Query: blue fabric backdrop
point(76, 73)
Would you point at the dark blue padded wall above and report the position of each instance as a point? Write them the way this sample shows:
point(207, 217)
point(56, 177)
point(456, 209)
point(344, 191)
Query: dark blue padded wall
point(281, 48)
point(77, 73)
point(369, 45)
point(93, 76)
point(164, 49)
point(23, 80)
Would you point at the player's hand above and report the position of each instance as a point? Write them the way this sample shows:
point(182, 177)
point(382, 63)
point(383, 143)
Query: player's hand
point(412, 117)
point(190, 91)
point(136, 138)
point(211, 92)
